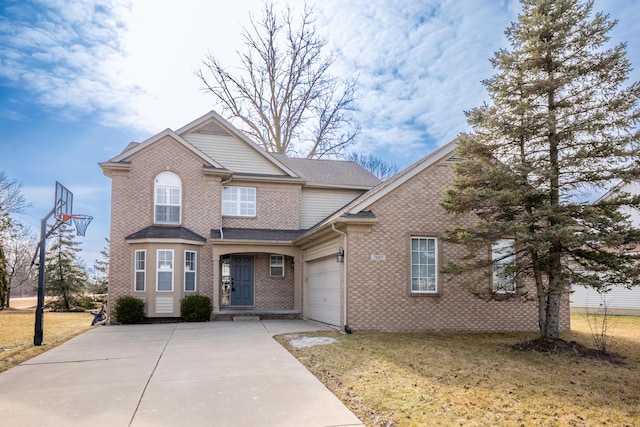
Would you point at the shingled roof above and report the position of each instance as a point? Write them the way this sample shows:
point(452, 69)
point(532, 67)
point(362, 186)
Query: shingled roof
point(260, 234)
point(330, 172)
point(163, 232)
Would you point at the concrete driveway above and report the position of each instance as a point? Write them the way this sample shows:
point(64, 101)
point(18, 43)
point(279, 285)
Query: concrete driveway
point(180, 374)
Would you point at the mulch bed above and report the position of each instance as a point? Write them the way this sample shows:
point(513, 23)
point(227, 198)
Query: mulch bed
point(573, 348)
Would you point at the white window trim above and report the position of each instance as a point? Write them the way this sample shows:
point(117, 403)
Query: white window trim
point(167, 189)
point(159, 270)
point(498, 264)
point(236, 202)
point(194, 271)
point(136, 270)
point(272, 264)
point(436, 289)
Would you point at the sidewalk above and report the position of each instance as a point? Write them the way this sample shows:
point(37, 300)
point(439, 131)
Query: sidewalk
point(182, 374)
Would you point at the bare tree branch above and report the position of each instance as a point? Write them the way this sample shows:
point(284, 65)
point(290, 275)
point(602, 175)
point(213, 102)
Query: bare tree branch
point(283, 94)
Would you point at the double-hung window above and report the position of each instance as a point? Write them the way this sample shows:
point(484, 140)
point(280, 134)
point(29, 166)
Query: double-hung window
point(168, 198)
point(189, 271)
point(164, 270)
point(424, 262)
point(503, 259)
point(239, 201)
point(140, 271)
point(276, 266)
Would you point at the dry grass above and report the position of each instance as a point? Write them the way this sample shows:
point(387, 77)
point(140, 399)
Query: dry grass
point(478, 380)
point(17, 328)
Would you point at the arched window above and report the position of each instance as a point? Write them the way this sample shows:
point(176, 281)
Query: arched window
point(168, 198)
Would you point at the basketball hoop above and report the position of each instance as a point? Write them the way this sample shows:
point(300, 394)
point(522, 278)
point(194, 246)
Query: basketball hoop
point(80, 221)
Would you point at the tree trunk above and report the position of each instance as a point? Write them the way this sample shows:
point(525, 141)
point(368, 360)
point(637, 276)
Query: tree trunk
point(552, 327)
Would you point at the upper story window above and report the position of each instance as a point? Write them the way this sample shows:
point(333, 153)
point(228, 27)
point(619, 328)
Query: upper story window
point(504, 261)
point(424, 265)
point(168, 198)
point(239, 201)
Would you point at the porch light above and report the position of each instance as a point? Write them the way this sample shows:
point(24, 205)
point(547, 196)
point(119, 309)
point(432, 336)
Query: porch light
point(293, 263)
point(340, 255)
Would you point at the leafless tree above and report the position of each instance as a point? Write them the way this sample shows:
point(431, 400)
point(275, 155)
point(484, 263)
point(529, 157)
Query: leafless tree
point(283, 94)
point(11, 199)
point(19, 243)
point(380, 168)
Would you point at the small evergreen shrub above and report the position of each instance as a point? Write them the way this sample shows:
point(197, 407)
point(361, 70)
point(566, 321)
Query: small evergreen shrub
point(129, 310)
point(196, 308)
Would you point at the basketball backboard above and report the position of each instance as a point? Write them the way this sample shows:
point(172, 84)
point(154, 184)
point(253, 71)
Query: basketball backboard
point(63, 203)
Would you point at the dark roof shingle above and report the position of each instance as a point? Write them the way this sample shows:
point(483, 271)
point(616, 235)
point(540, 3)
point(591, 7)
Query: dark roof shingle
point(163, 232)
point(260, 234)
point(330, 172)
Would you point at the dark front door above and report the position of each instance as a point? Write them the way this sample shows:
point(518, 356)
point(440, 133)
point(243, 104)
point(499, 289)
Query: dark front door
point(242, 280)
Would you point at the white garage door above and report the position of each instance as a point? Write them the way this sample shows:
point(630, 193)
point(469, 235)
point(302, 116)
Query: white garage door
point(324, 290)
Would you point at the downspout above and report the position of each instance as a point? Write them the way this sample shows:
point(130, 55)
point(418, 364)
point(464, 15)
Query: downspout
point(347, 329)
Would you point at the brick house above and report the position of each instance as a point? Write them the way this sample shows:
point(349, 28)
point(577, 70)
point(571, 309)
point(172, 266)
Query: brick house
point(204, 210)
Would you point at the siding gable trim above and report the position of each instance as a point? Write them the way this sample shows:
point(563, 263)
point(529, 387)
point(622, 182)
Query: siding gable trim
point(212, 115)
point(167, 132)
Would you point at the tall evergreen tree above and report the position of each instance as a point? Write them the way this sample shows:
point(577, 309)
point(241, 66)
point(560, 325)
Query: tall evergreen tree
point(65, 276)
point(560, 126)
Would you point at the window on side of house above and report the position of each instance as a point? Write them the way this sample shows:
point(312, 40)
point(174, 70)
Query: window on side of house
point(239, 201)
point(140, 271)
point(424, 263)
point(189, 271)
point(503, 259)
point(168, 198)
point(164, 270)
point(276, 266)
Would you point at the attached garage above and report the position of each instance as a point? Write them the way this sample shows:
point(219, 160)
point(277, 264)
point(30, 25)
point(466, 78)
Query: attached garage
point(322, 275)
point(324, 290)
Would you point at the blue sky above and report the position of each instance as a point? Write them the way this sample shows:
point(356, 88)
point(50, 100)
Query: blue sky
point(79, 80)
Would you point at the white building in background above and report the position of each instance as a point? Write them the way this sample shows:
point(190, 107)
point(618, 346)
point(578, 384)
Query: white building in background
point(619, 300)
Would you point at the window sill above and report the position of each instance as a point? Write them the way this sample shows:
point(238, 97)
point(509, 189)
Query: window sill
point(425, 294)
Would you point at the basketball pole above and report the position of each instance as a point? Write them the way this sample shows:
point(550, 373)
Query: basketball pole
point(38, 334)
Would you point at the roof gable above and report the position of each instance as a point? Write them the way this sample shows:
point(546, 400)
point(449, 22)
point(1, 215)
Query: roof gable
point(220, 140)
point(367, 199)
point(359, 207)
point(134, 148)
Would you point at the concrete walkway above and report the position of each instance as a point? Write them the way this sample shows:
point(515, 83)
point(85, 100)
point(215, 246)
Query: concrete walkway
point(182, 374)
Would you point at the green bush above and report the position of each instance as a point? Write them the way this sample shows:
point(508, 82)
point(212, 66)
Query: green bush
point(129, 310)
point(196, 308)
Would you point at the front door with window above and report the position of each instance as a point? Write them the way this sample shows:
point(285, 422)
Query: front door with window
point(242, 280)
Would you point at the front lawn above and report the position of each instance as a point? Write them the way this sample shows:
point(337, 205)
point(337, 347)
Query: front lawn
point(17, 329)
point(478, 380)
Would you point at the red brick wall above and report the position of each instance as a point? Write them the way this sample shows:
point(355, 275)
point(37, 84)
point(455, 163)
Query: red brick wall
point(380, 295)
point(132, 209)
point(277, 207)
point(273, 292)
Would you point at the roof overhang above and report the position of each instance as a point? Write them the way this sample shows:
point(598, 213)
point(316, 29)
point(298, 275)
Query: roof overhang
point(240, 177)
point(109, 167)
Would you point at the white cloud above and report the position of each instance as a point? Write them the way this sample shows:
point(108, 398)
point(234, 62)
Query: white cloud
point(131, 63)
